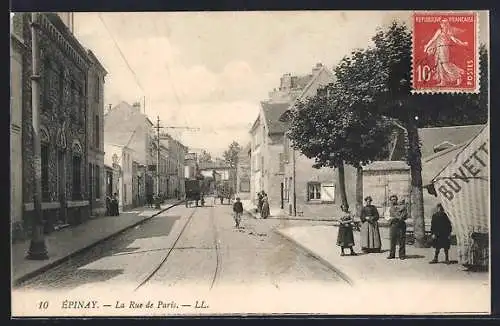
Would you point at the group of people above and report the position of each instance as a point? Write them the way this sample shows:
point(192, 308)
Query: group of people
point(263, 204)
point(112, 205)
point(370, 234)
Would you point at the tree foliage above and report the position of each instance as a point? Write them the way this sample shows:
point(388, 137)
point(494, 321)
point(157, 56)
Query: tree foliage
point(231, 154)
point(205, 157)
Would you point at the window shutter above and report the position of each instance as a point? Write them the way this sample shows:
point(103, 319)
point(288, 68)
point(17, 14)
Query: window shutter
point(328, 192)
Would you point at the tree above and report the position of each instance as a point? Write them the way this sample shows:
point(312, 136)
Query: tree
point(386, 91)
point(205, 157)
point(325, 128)
point(231, 158)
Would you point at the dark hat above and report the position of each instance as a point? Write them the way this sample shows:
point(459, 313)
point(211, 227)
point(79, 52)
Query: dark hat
point(368, 198)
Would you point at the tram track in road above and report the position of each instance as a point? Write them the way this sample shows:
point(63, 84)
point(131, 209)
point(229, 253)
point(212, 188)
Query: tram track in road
point(218, 257)
point(169, 252)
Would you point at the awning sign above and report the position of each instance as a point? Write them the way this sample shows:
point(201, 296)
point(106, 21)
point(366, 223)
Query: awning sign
point(463, 188)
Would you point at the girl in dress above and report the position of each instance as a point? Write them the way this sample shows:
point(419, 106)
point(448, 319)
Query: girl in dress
point(345, 237)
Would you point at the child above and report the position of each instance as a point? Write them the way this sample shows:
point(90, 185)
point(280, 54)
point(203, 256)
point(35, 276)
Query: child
point(345, 238)
point(238, 210)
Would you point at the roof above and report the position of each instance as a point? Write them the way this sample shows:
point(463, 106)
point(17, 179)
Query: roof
point(386, 165)
point(310, 81)
point(96, 60)
point(272, 114)
point(455, 135)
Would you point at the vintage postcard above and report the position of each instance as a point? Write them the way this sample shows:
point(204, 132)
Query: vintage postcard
point(227, 163)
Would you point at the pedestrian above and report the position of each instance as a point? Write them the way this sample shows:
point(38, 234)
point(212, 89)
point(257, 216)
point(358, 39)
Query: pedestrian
point(238, 211)
point(345, 236)
point(108, 205)
point(265, 206)
point(397, 232)
point(370, 233)
point(441, 233)
point(260, 201)
point(115, 204)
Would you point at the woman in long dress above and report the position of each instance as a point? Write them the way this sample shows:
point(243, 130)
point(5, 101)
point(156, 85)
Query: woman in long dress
point(265, 207)
point(446, 71)
point(441, 233)
point(370, 233)
point(345, 236)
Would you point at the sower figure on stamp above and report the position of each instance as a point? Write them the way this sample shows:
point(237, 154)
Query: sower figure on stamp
point(439, 46)
point(441, 233)
point(370, 233)
point(398, 215)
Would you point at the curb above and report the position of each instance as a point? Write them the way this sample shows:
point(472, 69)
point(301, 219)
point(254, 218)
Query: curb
point(61, 260)
point(325, 262)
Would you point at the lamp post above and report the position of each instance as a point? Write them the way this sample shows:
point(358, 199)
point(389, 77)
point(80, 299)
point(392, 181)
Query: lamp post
point(38, 248)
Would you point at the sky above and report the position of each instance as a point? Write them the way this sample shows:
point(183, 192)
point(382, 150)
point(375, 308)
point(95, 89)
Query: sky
point(210, 70)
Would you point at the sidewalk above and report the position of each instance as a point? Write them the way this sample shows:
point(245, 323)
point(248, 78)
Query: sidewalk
point(69, 241)
point(320, 241)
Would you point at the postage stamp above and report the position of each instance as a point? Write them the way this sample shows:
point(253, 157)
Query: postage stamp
point(445, 52)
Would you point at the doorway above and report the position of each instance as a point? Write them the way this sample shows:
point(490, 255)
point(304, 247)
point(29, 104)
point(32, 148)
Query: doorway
point(61, 177)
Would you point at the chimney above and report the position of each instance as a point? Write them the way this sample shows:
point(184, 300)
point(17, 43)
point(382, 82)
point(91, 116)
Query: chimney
point(317, 67)
point(286, 82)
point(137, 106)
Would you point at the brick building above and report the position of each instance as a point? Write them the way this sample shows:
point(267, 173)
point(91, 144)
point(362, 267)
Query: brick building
point(64, 68)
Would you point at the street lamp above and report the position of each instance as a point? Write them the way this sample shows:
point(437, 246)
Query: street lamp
point(38, 248)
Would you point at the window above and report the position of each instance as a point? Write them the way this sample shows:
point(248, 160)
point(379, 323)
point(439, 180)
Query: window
point(77, 174)
point(45, 172)
point(97, 182)
point(328, 192)
point(282, 162)
point(96, 131)
point(313, 191)
point(97, 90)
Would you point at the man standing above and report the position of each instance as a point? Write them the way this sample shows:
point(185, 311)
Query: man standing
point(238, 211)
point(398, 215)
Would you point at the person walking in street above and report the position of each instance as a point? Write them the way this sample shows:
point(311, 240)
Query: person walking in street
point(238, 211)
point(397, 232)
point(265, 206)
point(345, 236)
point(370, 233)
point(441, 233)
point(115, 204)
point(109, 210)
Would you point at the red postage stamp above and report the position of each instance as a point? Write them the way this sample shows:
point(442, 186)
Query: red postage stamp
point(445, 52)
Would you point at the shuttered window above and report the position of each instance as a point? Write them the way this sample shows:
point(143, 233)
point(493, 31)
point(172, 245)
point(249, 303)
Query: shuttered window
point(327, 192)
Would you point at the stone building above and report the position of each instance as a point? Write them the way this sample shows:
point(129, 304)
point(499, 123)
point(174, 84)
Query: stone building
point(64, 66)
point(174, 165)
point(267, 138)
point(127, 126)
point(17, 52)
point(95, 136)
point(121, 159)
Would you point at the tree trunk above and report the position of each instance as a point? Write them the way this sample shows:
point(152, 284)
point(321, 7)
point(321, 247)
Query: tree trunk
point(359, 190)
point(416, 191)
point(343, 194)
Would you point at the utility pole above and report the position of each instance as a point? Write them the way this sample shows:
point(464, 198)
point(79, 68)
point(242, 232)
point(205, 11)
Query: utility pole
point(38, 248)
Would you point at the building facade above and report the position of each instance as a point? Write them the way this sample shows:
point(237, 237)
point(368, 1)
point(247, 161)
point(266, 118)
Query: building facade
point(17, 50)
point(127, 126)
point(64, 66)
point(95, 136)
point(121, 159)
point(267, 138)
